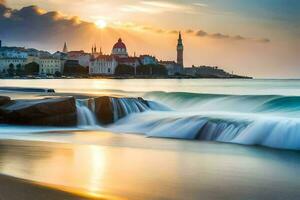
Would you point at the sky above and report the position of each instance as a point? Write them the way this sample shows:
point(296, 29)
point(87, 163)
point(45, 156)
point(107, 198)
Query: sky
point(259, 38)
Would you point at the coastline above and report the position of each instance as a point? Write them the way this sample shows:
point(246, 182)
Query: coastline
point(124, 77)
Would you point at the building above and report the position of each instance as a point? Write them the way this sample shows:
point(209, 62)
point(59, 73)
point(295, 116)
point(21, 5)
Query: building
point(13, 52)
point(103, 64)
point(5, 63)
point(51, 65)
point(119, 49)
point(180, 51)
point(206, 71)
point(176, 68)
point(131, 61)
point(172, 67)
point(148, 60)
point(80, 56)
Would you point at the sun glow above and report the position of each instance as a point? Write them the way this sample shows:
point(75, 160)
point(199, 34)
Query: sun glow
point(101, 23)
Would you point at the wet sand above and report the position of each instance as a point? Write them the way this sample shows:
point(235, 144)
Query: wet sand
point(17, 189)
point(116, 166)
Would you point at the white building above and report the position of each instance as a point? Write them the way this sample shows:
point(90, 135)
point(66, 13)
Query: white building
point(13, 52)
point(103, 64)
point(6, 62)
point(51, 65)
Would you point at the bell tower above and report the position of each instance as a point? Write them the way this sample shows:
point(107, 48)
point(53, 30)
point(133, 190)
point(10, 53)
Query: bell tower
point(180, 51)
point(65, 49)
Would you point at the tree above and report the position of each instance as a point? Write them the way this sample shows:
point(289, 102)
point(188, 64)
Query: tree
point(143, 70)
point(32, 68)
point(75, 70)
point(124, 70)
point(11, 69)
point(149, 70)
point(57, 74)
point(19, 70)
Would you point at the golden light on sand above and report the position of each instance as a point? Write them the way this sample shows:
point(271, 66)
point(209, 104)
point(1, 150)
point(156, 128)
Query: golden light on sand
point(101, 23)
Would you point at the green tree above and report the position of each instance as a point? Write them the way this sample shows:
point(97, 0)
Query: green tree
point(57, 74)
point(32, 68)
point(11, 69)
point(124, 70)
point(149, 70)
point(19, 70)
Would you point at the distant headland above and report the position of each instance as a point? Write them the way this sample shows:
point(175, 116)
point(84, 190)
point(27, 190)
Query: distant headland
point(21, 62)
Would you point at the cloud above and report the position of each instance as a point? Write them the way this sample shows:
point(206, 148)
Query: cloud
point(156, 7)
point(200, 4)
point(201, 33)
point(263, 40)
point(221, 36)
point(34, 24)
point(189, 31)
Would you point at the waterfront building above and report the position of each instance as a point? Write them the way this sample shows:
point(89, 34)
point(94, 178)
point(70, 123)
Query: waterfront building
point(13, 52)
point(172, 67)
point(103, 64)
point(148, 60)
point(131, 61)
point(206, 71)
point(5, 62)
point(50, 65)
point(80, 56)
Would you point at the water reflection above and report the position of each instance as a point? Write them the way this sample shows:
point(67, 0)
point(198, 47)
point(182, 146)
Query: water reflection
point(145, 168)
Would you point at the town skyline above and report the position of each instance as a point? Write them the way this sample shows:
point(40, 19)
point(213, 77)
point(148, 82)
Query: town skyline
point(268, 49)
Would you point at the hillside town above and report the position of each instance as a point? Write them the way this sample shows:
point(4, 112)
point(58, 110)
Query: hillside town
point(24, 62)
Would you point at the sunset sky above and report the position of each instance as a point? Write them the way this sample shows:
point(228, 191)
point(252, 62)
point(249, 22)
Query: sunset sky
point(259, 38)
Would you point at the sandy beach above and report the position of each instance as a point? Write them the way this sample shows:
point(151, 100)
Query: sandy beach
point(16, 189)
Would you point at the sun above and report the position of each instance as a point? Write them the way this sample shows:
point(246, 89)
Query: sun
point(101, 23)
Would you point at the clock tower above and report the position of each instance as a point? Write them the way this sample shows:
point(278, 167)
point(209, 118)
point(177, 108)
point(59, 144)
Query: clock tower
point(180, 51)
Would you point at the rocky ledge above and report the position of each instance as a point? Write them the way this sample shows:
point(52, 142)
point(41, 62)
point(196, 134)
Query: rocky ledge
point(62, 111)
point(48, 111)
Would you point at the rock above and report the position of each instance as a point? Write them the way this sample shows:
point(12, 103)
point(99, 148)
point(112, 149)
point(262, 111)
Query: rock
point(30, 90)
point(4, 100)
point(47, 112)
point(104, 110)
point(110, 109)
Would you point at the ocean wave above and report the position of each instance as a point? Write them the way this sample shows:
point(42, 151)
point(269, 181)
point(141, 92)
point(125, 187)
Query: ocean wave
point(284, 105)
point(275, 132)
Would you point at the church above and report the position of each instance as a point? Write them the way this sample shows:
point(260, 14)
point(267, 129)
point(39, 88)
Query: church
point(101, 64)
point(107, 64)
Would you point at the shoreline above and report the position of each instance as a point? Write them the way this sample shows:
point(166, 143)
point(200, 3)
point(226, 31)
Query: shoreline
point(124, 77)
point(13, 188)
point(101, 165)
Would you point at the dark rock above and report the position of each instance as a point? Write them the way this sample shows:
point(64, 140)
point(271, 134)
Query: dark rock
point(30, 90)
point(104, 109)
point(110, 109)
point(48, 112)
point(4, 100)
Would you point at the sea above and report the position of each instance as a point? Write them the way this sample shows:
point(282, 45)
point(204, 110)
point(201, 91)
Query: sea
point(200, 139)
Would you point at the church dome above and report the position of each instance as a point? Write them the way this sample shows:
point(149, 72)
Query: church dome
point(119, 45)
point(119, 49)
